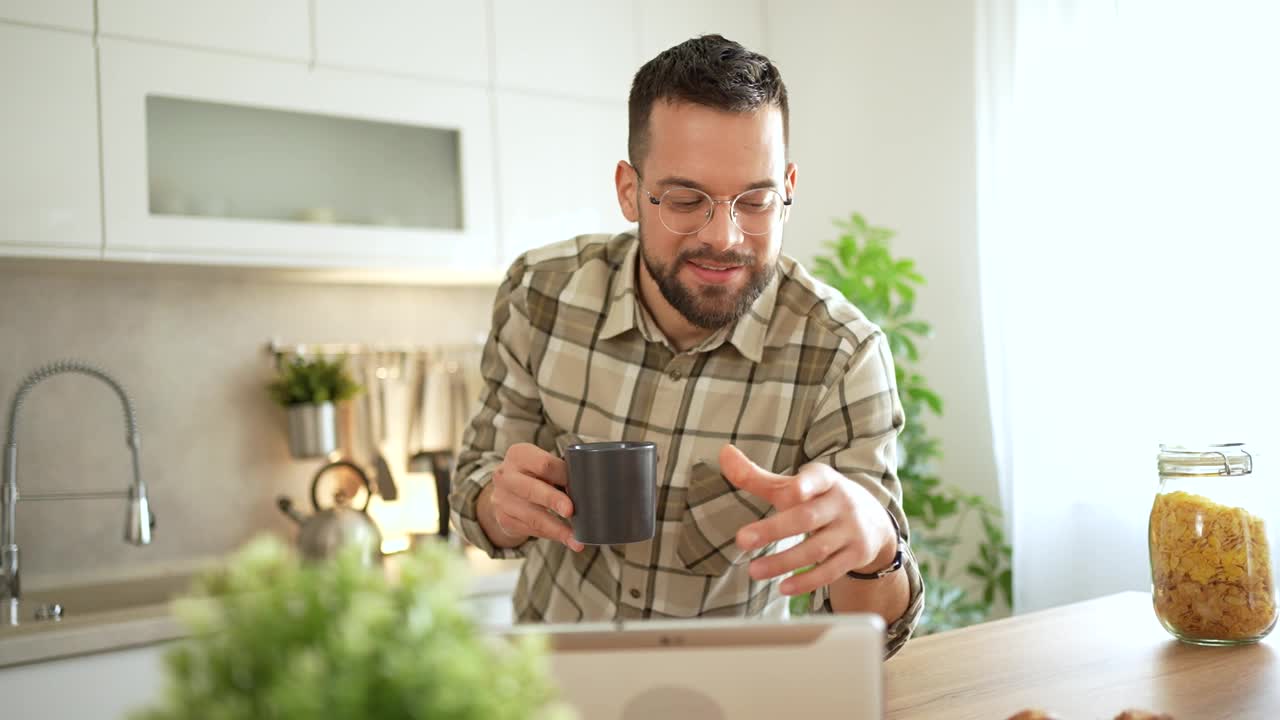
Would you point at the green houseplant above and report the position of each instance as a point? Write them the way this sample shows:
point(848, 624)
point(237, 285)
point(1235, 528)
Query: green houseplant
point(315, 380)
point(308, 390)
point(862, 267)
point(273, 637)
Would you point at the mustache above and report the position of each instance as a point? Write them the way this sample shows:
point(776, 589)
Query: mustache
point(726, 258)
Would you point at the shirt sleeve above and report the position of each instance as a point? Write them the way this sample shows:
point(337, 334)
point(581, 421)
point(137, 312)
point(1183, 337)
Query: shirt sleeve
point(510, 412)
point(855, 430)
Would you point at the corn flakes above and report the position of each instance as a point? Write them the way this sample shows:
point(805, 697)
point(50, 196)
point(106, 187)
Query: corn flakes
point(1211, 569)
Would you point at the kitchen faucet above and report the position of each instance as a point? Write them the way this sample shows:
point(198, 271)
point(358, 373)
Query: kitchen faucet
point(139, 520)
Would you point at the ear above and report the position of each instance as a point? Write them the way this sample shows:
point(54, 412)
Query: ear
point(624, 178)
point(790, 180)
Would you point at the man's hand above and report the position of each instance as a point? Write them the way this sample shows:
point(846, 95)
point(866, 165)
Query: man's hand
point(524, 489)
point(848, 528)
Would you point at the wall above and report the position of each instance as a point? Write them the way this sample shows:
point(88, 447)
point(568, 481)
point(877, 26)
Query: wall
point(190, 346)
point(882, 122)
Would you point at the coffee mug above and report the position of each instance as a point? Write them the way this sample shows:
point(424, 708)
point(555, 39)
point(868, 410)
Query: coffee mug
point(612, 486)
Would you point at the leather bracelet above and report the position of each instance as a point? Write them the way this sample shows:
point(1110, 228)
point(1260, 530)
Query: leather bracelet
point(897, 558)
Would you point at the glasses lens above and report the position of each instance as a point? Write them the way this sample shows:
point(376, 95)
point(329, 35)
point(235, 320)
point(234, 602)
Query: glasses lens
point(756, 212)
point(684, 210)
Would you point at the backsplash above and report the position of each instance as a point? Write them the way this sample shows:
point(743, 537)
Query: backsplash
point(189, 344)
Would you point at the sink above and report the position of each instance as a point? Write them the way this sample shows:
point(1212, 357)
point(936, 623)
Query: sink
point(80, 601)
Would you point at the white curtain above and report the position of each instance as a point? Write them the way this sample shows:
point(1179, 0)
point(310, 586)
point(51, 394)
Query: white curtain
point(1129, 206)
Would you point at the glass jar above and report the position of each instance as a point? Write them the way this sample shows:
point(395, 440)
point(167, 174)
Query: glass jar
point(1212, 581)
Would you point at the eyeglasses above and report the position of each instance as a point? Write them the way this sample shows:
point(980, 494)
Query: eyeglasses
point(685, 211)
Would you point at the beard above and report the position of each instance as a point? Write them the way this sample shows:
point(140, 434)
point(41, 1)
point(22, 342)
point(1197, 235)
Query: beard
point(709, 307)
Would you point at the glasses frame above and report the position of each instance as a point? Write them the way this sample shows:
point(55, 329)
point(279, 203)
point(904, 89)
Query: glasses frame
point(733, 213)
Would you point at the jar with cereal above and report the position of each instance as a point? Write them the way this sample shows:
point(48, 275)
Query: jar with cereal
point(1211, 573)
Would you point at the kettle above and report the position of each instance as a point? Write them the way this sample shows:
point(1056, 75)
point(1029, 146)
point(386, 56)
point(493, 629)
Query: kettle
point(328, 531)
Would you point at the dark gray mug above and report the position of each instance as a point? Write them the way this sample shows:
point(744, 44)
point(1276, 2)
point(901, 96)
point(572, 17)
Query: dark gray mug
point(612, 486)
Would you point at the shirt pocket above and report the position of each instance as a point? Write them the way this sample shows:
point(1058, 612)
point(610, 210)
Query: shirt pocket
point(714, 512)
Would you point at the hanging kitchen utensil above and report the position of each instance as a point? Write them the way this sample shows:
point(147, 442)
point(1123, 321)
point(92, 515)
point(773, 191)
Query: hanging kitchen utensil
point(380, 369)
point(434, 436)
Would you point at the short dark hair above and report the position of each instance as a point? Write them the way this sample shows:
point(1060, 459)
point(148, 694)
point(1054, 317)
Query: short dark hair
point(709, 70)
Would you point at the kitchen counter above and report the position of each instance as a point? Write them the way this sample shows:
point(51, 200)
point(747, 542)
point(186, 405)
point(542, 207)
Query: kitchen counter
point(135, 612)
point(1086, 661)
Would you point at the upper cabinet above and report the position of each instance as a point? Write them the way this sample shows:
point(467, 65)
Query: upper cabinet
point(49, 197)
point(415, 134)
point(664, 23)
point(268, 28)
point(557, 158)
point(570, 48)
point(64, 14)
point(440, 39)
point(209, 157)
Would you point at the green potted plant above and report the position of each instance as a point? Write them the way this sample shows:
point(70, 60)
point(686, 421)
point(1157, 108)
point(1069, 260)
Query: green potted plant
point(273, 637)
point(862, 267)
point(308, 389)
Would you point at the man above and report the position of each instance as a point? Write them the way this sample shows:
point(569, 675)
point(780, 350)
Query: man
point(770, 398)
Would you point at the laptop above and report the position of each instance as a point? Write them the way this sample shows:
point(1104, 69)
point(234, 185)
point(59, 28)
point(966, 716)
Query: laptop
point(715, 669)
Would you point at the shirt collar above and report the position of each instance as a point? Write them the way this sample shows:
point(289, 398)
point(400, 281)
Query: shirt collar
point(747, 335)
point(621, 314)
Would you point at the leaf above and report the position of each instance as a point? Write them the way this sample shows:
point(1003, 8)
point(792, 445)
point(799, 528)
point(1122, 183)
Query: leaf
point(913, 354)
point(928, 397)
point(917, 327)
point(848, 251)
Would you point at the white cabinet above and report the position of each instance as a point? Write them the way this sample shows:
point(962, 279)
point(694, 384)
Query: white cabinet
point(65, 14)
point(49, 199)
point(556, 163)
point(571, 48)
point(270, 28)
point(664, 23)
point(109, 686)
point(441, 39)
point(215, 158)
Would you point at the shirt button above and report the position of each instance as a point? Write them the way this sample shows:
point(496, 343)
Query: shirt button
point(675, 374)
point(635, 593)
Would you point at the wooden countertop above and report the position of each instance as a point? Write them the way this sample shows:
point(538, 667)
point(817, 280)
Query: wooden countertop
point(1086, 661)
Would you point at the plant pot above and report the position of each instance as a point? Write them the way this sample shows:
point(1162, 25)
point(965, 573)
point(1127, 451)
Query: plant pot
point(313, 430)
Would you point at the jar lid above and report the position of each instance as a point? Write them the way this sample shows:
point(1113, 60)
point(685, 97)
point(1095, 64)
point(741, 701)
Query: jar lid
point(1201, 460)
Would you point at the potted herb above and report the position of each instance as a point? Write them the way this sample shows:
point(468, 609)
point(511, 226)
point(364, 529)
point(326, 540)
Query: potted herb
point(308, 390)
point(273, 637)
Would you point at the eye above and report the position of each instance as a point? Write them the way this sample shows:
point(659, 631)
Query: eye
point(684, 200)
point(757, 202)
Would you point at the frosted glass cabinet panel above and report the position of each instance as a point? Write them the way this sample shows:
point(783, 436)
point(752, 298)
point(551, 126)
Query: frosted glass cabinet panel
point(215, 158)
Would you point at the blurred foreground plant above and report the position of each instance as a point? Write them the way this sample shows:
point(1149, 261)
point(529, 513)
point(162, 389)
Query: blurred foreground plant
point(275, 638)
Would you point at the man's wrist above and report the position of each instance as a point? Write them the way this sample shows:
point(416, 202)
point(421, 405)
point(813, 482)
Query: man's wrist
point(888, 559)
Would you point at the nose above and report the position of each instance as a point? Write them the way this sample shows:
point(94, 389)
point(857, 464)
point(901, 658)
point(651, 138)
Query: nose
point(721, 233)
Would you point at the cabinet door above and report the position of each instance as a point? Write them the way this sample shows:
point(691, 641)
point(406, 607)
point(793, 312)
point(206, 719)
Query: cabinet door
point(440, 39)
point(65, 14)
point(274, 28)
point(222, 159)
point(49, 200)
point(664, 23)
point(573, 48)
point(556, 162)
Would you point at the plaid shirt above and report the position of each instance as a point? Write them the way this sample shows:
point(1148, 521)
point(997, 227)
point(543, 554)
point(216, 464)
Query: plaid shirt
point(575, 356)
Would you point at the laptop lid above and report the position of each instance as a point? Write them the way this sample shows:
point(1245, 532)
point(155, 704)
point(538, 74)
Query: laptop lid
point(713, 669)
